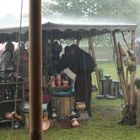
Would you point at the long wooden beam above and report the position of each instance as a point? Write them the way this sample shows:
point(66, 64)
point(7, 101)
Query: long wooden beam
point(35, 70)
point(120, 70)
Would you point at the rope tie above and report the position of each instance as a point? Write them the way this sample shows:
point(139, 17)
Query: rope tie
point(18, 56)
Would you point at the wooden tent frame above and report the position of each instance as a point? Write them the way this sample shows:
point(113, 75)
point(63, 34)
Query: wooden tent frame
point(78, 31)
point(58, 31)
point(129, 92)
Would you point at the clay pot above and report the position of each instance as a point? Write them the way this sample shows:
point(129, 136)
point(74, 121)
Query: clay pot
point(9, 116)
point(16, 116)
point(75, 122)
point(80, 106)
point(13, 116)
point(65, 84)
point(58, 83)
point(45, 124)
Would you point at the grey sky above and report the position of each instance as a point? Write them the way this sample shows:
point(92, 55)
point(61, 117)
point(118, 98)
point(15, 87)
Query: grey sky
point(13, 7)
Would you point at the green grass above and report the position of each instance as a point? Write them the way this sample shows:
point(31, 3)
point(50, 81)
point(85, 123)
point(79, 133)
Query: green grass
point(102, 126)
point(110, 68)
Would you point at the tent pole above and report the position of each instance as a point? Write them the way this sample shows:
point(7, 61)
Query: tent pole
point(91, 47)
point(120, 69)
point(35, 70)
point(133, 73)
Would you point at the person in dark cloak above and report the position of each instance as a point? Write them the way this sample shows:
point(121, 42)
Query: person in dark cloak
point(56, 49)
point(6, 56)
point(65, 62)
point(82, 64)
point(65, 59)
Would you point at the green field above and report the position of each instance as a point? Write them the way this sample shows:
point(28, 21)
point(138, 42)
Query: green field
point(109, 68)
point(102, 126)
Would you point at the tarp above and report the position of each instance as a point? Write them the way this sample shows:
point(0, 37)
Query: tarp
point(67, 30)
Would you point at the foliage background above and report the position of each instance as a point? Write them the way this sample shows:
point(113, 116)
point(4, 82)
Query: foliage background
point(106, 10)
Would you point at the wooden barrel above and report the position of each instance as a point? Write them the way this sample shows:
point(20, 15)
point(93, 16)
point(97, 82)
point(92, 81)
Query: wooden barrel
point(63, 105)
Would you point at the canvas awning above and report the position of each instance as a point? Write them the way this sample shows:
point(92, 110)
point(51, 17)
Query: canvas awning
point(65, 31)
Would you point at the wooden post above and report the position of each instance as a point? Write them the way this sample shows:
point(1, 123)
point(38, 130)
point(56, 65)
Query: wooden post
point(137, 83)
point(91, 47)
point(138, 109)
point(132, 73)
point(35, 70)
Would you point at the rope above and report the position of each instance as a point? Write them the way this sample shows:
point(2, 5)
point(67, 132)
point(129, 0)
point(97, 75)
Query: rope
point(18, 56)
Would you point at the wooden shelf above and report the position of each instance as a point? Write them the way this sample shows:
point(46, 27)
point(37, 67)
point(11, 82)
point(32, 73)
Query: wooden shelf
point(5, 101)
point(11, 83)
point(9, 105)
point(4, 120)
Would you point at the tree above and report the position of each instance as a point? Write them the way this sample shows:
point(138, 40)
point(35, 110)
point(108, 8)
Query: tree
point(120, 9)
